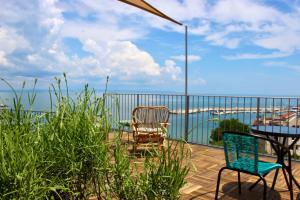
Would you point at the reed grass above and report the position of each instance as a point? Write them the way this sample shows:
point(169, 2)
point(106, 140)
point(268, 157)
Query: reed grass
point(65, 153)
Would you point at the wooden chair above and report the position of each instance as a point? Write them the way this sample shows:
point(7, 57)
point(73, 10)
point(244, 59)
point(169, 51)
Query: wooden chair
point(149, 125)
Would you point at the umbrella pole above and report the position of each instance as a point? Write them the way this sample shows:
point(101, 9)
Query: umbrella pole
point(186, 127)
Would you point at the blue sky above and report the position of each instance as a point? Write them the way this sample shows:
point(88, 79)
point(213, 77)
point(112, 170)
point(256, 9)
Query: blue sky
point(247, 47)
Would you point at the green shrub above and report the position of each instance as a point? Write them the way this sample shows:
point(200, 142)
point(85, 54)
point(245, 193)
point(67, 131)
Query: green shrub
point(227, 125)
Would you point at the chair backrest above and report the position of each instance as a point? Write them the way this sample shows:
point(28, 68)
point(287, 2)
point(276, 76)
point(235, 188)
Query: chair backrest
point(241, 151)
point(150, 116)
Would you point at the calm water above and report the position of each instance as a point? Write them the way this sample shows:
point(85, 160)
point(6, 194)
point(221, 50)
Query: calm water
point(42, 101)
point(200, 123)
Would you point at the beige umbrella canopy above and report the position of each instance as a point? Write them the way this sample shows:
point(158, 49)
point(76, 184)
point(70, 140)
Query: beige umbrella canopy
point(147, 7)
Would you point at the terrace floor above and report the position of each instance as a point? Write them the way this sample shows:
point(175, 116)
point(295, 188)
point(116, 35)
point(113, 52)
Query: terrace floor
point(201, 181)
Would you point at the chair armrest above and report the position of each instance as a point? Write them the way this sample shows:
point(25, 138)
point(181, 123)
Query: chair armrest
point(134, 125)
point(164, 125)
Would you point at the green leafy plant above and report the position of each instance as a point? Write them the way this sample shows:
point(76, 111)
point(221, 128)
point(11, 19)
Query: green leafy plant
point(227, 125)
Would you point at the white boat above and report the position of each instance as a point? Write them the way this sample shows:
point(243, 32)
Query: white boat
point(2, 106)
point(218, 112)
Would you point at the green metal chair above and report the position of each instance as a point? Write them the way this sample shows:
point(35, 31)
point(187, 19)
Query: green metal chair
point(241, 154)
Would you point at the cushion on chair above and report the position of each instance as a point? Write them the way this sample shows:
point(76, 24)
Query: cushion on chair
point(149, 130)
point(152, 135)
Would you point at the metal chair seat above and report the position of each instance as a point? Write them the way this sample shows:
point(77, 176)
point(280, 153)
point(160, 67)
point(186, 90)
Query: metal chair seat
point(262, 166)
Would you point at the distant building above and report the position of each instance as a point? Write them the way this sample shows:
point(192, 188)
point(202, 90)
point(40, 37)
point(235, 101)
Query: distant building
point(287, 119)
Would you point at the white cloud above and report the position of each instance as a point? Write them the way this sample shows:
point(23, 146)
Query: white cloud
point(227, 23)
point(182, 10)
point(282, 41)
point(191, 58)
point(3, 59)
point(221, 39)
point(10, 40)
point(107, 31)
point(99, 32)
point(257, 56)
point(265, 26)
point(32, 58)
point(198, 81)
point(124, 59)
point(170, 69)
point(108, 43)
point(248, 11)
point(258, 24)
point(50, 15)
point(230, 23)
point(283, 65)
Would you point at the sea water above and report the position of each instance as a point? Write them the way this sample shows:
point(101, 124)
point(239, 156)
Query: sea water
point(200, 124)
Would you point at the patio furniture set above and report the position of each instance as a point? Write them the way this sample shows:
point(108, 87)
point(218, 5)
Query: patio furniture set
point(149, 125)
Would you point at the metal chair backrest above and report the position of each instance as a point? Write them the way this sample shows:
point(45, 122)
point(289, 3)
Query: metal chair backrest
point(241, 151)
point(150, 116)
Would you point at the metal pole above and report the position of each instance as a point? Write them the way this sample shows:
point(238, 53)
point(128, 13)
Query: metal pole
point(186, 127)
point(186, 60)
point(257, 112)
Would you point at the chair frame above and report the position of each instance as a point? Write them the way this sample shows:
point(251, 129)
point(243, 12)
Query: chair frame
point(135, 125)
point(261, 177)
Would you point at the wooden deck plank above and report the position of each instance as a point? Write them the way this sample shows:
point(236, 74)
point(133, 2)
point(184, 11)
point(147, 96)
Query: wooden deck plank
point(201, 181)
point(209, 160)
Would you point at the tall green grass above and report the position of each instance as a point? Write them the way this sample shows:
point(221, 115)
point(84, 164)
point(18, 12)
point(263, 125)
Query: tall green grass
point(66, 153)
point(75, 146)
point(19, 160)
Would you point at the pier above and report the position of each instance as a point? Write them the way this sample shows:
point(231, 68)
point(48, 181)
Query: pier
point(231, 110)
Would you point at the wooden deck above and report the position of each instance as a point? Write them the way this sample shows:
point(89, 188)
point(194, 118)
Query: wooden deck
point(201, 181)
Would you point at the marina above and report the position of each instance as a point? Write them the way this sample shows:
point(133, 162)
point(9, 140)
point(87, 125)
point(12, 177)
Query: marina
point(234, 110)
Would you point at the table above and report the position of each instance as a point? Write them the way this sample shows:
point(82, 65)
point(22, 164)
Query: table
point(127, 124)
point(281, 134)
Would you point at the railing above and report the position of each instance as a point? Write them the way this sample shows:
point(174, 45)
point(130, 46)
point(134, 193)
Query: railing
point(195, 118)
point(206, 112)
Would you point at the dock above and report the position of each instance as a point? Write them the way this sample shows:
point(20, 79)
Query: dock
point(230, 110)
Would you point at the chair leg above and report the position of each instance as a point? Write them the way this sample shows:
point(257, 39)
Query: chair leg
point(275, 178)
point(161, 147)
point(218, 182)
point(134, 147)
point(254, 184)
point(239, 180)
point(289, 170)
point(265, 188)
point(285, 177)
point(291, 184)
